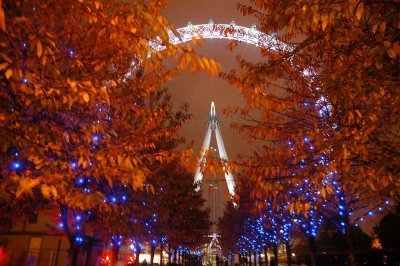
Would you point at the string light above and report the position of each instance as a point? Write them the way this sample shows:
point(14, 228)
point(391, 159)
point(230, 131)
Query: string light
point(16, 165)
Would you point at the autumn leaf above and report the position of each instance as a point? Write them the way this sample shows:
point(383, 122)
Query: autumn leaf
point(128, 164)
point(2, 18)
point(48, 191)
point(9, 73)
point(6, 57)
point(85, 97)
point(3, 65)
point(392, 53)
point(39, 48)
point(360, 10)
point(26, 185)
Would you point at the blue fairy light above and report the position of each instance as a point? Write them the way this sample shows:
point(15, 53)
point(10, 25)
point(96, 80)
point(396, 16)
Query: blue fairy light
point(16, 165)
point(95, 138)
point(73, 165)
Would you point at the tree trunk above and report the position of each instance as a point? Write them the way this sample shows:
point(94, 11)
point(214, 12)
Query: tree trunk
point(288, 253)
point(138, 250)
point(175, 256)
point(313, 248)
point(351, 260)
point(259, 259)
point(89, 251)
point(266, 255)
point(169, 255)
point(250, 258)
point(73, 249)
point(161, 253)
point(73, 254)
point(115, 252)
point(152, 251)
point(275, 255)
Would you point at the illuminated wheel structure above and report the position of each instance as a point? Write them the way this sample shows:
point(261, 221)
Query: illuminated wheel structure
point(231, 32)
point(211, 30)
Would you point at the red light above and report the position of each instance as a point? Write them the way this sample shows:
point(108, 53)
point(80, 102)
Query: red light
point(107, 258)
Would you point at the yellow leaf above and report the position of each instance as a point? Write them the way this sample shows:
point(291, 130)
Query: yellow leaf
point(2, 18)
point(128, 163)
point(323, 192)
point(9, 73)
point(3, 65)
point(119, 159)
point(45, 191)
point(391, 53)
point(54, 191)
point(370, 184)
point(86, 97)
point(26, 186)
point(324, 19)
point(39, 49)
point(360, 11)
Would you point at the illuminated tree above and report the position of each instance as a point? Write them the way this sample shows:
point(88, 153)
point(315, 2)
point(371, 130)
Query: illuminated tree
point(336, 83)
point(76, 77)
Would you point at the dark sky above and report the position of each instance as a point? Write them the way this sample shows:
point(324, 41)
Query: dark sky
point(199, 89)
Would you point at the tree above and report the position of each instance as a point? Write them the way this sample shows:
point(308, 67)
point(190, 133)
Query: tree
point(334, 82)
point(388, 230)
point(75, 77)
point(330, 239)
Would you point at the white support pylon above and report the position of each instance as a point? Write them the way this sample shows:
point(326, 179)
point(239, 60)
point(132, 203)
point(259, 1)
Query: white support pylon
point(213, 127)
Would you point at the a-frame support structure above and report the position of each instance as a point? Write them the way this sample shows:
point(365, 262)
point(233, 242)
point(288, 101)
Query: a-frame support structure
point(213, 127)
